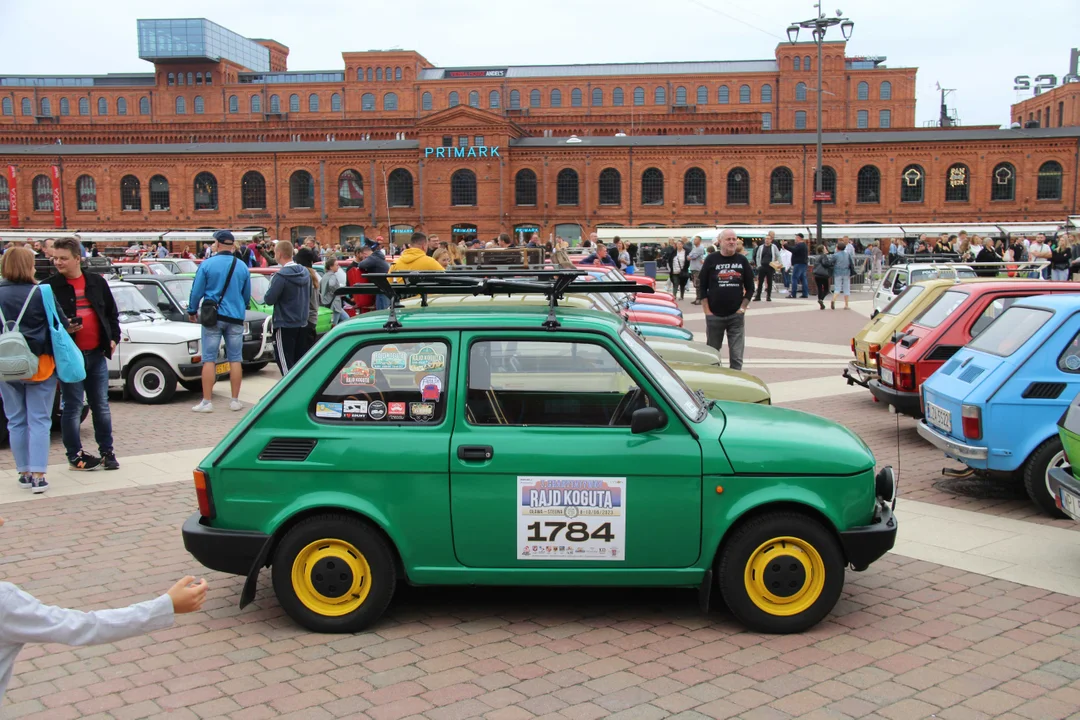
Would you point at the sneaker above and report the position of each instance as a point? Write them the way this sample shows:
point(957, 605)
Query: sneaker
point(83, 461)
point(39, 485)
point(108, 461)
point(235, 405)
point(203, 406)
point(24, 481)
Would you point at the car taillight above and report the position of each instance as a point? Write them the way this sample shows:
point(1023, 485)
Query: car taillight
point(202, 492)
point(853, 352)
point(905, 376)
point(972, 419)
point(874, 351)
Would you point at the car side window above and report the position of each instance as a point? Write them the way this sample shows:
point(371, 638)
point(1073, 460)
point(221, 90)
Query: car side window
point(156, 296)
point(1070, 359)
point(901, 282)
point(991, 312)
point(399, 382)
point(549, 383)
point(887, 283)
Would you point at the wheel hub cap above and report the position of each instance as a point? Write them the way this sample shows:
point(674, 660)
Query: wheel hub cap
point(784, 576)
point(331, 577)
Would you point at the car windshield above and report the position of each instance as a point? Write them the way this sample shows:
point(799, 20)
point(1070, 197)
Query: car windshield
point(903, 300)
point(668, 381)
point(944, 272)
point(1013, 328)
point(180, 289)
point(941, 309)
point(259, 285)
point(160, 269)
point(131, 305)
point(187, 266)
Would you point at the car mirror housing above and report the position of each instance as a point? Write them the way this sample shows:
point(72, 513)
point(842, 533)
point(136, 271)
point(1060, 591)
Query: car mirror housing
point(646, 419)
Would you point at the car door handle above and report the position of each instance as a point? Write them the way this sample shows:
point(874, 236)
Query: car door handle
point(475, 452)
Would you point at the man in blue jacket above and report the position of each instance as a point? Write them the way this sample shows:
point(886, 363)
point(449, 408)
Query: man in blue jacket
point(290, 294)
point(225, 280)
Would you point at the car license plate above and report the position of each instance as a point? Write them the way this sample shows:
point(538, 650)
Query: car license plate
point(221, 368)
point(886, 376)
point(1070, 504)
point(938, 416)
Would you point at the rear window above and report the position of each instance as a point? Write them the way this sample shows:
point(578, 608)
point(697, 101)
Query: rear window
point(942, 272)
point(1013, 328)
point(903, 300)
point(941, 309)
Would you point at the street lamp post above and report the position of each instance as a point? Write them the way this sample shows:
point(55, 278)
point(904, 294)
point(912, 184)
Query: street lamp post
point(818, 26)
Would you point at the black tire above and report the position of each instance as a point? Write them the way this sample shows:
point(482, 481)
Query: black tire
point(151, 381)
point(253, 367)
point(1035, 472)
point(750, 541)
point(373, 550)
point(194, 386)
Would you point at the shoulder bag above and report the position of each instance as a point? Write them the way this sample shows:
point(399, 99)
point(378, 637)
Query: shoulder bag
point(70, 364)
point(208, 310)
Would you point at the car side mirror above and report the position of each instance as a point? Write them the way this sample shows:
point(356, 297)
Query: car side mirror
point(646, 419)
point(874, 314)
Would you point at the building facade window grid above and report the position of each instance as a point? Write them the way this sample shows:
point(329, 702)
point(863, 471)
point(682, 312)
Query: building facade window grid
point(566, 187)
point(86, 190)
point(806, 64)
point(957, 183)
point(800, 119)
point(525, 188)
point(313, 103)
point(702, 95)
point(367, 102)
point(494, 100)
point(617, 97)
point(659, 95)
point(335, 103)
point(597, 97)
point(253, 191)
point(796, 63)
point(694, 186)
point(378, 74)
point(130, 193)
point(199, 107)
point(8, 106)
point(723, 95)
point(1003, 182)
point(463, 188)
point(862, 90)
point(766, 93)
point(350, 189)
point(652, 187)
point(65, 106)
point(5, 198)
point(766, 121)
point(575, 97)
point(294, 103)
point(885, 119)
point(680, 95)
point(46, 107)
point(534, 98)
point(397, 74)
point(885, 90)
point(474, 98)
point(556, 98)
point(738, 187)
point(43, 197)
point(399, 188)
point(389, 101)
point(102, 106)
point(1049, 181)
point(28, 108)
point(206, 191)
point(159, 193)
point(868, 185)
point(781, 186)
point(301, 190)
point(515, 100)
point(181, 106)
point(911, 184)
point(425, 102)
point(84, 106)
point(275, 105)
point(800, 92)
point(256, 103)
point(453, 100)
point(863, 119)
point(609, 185)
point(639, 96)
point(744, 94)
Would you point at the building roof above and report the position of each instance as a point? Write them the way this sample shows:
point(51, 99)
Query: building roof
point(612, 69)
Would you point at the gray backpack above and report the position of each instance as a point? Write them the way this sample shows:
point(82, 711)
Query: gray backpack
point(16, 360)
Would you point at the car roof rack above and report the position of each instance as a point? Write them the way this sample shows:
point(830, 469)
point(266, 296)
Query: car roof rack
point(552, 284)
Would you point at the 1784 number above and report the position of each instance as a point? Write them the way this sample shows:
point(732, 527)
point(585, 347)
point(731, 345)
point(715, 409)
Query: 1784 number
point(575, 532)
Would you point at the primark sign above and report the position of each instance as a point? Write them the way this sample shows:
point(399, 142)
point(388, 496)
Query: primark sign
point(473, 151)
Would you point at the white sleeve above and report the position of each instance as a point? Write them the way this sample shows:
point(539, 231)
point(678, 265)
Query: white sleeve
point(24, 619)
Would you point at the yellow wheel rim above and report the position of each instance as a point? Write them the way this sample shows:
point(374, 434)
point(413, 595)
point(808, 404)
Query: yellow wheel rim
point(784, 576)
point(331, 577)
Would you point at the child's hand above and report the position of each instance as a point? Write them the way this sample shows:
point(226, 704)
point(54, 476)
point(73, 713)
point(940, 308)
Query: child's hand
point(188, 595)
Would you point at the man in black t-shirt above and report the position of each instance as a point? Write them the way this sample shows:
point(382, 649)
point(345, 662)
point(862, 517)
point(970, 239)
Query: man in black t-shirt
point(727, 284)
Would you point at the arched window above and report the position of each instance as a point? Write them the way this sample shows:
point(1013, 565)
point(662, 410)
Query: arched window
point(911, 184)
point(130, 193)
point(84, 106)
point(884, 118)
point(389, 101)
point(367, 102)
point(1050, 177)
point(234, 104)
point(474, 99)
point(597, 97)
point(454, 100)
point(159, 193)
point(800, 92)
point(1003, 182)
point(301, 190)
point(702, 95)
point(190, 79)
point(652, 187)
point(294, 103)
point(206, 195)
point(575, 97)
point(800, 119)
point(515, 100)
point(369, 74)
point(46, 107)
point(862, 119)
point(388, 75)
point(359, 74)
point(766, 93)
point(617, 97)
point(253, 191)
point(5, 198)
point(680, 95)
point(610, 187)
point(397, 74)
point(426, 102)
point(43, 199)
point(957, 182)
point(868, 185)
point(65, 107)
point(378, 74)
point(744, 94)
point(525, 187)
point(181, 106)
point(335, 103)
point(494, 101)
point(806, 63)
point(534, 98)
point(659, 95)
point(738, 187)
point(797, 64)
point(639, 96)
point(828, 183)
point(781, 186)
point(862, 90)
point(27, 107)
point(399, 188)
point(556, 98)
point(885, 90)
point(199, 107)
point(121, 106)
point(350, 190)
point(566, 187)
point(275, 105)
point(198, 78)
point(723, 95)
point(102, 106)
point(463, 188)
point(172, 79)
point(86, 189)
point(256, 103)
point(694, 187)
point(313, 103)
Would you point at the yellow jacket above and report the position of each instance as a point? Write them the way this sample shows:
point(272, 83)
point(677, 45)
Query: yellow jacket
point(415, 259)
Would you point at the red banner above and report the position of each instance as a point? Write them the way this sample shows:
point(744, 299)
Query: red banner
point(13, 208)
point(58, 216)
point(822, 196)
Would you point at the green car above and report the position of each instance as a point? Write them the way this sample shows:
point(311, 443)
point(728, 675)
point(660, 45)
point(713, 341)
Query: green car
point(529, 430)
point(1064, 485)
point(261, 283)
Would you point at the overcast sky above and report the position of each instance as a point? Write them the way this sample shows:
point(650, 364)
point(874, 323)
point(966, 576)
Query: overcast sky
point(975, 47)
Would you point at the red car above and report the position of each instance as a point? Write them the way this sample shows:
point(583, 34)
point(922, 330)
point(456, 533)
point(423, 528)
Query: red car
point(960, 314)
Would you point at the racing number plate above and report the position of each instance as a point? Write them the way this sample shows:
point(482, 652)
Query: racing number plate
point(221, 368)
point(1070, 504)
point(571, 518)
point(939, 417)
point(886, 376)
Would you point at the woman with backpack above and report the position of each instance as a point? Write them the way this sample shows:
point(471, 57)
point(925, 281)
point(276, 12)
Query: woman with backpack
point(842, 270)
point(823, 264)
point(27, 377)
point(680, 270)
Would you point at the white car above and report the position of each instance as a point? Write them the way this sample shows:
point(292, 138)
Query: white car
point(899, 277)
point(154, 354)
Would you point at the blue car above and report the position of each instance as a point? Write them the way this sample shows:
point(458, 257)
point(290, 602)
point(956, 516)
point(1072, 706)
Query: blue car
point(995, 405)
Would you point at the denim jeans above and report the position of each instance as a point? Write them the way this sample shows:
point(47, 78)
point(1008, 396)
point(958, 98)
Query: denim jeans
point(1056, 274)
point(798, 277)
point(29, 406)
point(96, 388)
point(340, 316)
point(233, 333)
point(382, 302)
point(735, 327)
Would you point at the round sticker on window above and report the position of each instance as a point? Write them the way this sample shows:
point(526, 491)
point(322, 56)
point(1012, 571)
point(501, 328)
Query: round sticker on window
point(1072, 362)
point(430, 388)
point(377, 410)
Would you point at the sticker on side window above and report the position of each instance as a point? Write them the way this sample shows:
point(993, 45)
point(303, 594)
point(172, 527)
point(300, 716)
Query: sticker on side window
point(358, 373)
point(377, 410)
point(430, 388)
point(355, 409)
point(426, 359)
point(396, 410)
point(389, 358)
point(328, 409)
point(421, 411)
point(571, 518)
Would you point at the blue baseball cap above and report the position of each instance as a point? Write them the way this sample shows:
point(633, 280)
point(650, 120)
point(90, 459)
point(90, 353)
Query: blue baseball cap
point(224, 237)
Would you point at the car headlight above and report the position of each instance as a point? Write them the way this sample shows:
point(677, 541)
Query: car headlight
point(247, 328)
point(193, 347)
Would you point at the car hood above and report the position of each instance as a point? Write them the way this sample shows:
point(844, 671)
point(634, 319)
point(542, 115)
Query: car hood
point(683, 351)
point(770, 440)
point(722, 384)
point(164, 332)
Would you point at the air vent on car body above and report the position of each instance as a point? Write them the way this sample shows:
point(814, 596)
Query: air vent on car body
point(971, 373)
point(1043, 390)
point(288, 449)
point(949, 367)
point(942, 353)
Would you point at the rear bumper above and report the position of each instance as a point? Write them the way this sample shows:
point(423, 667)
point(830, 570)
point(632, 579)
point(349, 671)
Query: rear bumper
point(1062, 478)
point(865, 544)
point(228, 551)
point(952, 448)
point(857, 374)
point(906, 403)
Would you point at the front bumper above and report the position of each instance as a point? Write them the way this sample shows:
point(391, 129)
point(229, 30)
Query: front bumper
point(188, 371)
point(228, 551)
point(1063, 478)
point(906, 403)
point(865, 544)
point(857, 374)
point(952, 448)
